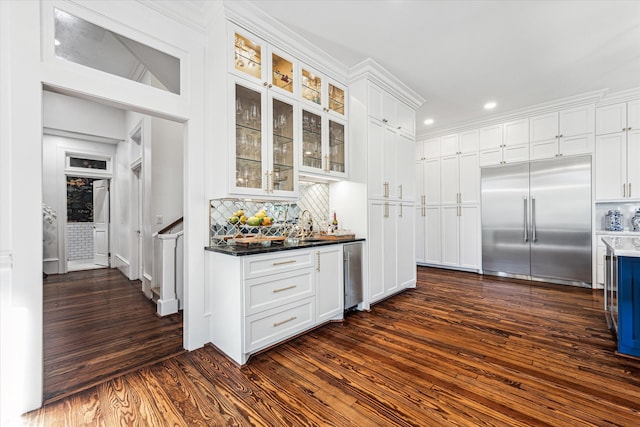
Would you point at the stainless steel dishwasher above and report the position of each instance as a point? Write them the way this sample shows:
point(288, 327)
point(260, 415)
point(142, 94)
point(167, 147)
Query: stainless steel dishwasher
point(352, 275)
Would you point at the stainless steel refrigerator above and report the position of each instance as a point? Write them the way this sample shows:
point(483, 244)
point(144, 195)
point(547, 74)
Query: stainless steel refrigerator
point(536, 220)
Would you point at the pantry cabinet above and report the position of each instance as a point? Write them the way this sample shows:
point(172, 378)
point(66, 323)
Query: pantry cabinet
point(264, 151)
point(460, 179)
point(391, 252)
point(428, 238)
point(460, 236)
point(391, 173)
point(561, 133)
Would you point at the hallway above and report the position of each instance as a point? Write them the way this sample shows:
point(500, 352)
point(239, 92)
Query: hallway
point(97, 326)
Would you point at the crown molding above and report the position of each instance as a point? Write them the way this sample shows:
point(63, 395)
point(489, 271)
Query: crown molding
point(593, 97)
point(255, 20)
point(620, 96)
point(375, 72)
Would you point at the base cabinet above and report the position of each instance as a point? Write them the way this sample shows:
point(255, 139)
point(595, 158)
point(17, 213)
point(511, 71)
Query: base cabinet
point(461, 236)
point(260, 300)
point(629, 306)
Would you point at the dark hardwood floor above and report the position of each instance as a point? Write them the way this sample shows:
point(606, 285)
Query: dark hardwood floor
point(461, 349)
point(98, 325)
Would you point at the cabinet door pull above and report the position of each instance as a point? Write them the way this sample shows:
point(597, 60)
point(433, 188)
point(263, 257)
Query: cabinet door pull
point(629, 189)
point(266, 182)
point(624, 190)
point(276, 324)
point(318, 255)
point(291, 261)
point(386, 209)
point(385, 189)
point(400, 210)
point(424, 213)
point(400, 188)
point(275, 291)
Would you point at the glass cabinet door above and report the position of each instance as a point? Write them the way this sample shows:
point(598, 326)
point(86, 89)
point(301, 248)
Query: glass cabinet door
point(247, 56)
point(283, 174)
point(282, 73)
point(336, 99)
point(336, 147)
point(311, 140)
point(248, 135)
point(311, 87)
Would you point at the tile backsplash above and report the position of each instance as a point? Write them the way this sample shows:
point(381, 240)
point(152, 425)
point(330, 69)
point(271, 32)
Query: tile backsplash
point(314, 197)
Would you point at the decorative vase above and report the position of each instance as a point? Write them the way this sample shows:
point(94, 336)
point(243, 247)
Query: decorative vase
point(635, 221)
point(613, 221)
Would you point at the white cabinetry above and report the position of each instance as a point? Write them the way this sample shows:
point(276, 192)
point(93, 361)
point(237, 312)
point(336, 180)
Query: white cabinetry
point(264, 156)
point(617, 171)
point(261, 300)
point(324, 142)
point(392, 266)
point(460, 179)
point(384, 107)
point(562, 133)
point(618, 151)
point(319, 91)
point(428, 238)
point(461, 236)
point(391, 173)
point(618, 117)
point(328, 279)
point(506, 143)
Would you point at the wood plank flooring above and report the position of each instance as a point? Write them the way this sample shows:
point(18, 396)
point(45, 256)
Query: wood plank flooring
point(98, 325)
point(460, 349)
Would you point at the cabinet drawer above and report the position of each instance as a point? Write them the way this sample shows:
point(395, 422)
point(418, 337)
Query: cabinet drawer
point(262, 265)
point(270, 327)
point(262, 293)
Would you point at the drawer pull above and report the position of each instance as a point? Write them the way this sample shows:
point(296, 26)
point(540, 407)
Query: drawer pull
point(291, 261)
point(276, 324)
point(284, 289)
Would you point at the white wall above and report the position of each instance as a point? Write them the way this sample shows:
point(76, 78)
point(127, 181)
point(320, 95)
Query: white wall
point(25, 65)
point(80, 116)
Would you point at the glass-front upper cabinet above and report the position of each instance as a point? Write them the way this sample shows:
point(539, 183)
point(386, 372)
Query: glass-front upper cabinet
point(319, 91)
point(283, 174)
point(323, 144)
point(264, 150)
point(249, 139)
point(252, 58)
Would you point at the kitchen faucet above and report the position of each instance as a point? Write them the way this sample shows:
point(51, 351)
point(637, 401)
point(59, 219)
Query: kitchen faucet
point(307, 227)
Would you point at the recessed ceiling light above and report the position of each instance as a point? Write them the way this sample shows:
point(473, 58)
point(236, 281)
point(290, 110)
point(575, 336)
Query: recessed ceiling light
point(56, 42)
point(490, 105)
point(428, 122)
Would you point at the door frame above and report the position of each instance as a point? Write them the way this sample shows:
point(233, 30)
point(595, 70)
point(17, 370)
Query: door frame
point(67, 171)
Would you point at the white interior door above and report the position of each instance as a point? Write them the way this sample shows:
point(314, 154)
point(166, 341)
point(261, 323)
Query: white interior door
point(101, 222)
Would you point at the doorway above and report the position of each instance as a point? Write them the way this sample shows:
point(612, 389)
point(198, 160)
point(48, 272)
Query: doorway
point(87, 228)
point(119, 202)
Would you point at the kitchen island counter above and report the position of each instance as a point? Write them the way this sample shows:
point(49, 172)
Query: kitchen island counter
point(623, 245)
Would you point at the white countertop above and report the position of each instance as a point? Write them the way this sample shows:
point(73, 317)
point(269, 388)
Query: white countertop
point(623, 245)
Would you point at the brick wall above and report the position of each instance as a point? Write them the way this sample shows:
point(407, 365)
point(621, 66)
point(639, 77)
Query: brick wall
point(79, 240)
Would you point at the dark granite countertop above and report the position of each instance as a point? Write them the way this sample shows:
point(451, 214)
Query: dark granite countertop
point(236, 250)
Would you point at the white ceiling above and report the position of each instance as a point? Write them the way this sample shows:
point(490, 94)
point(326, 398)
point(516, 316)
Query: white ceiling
point(460, 54)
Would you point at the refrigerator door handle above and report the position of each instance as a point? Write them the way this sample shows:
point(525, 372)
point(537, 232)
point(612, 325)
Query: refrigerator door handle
point(533, 219)
point(526, 219)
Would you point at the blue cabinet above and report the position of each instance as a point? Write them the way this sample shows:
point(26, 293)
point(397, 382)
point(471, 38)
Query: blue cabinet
point(629, 305)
